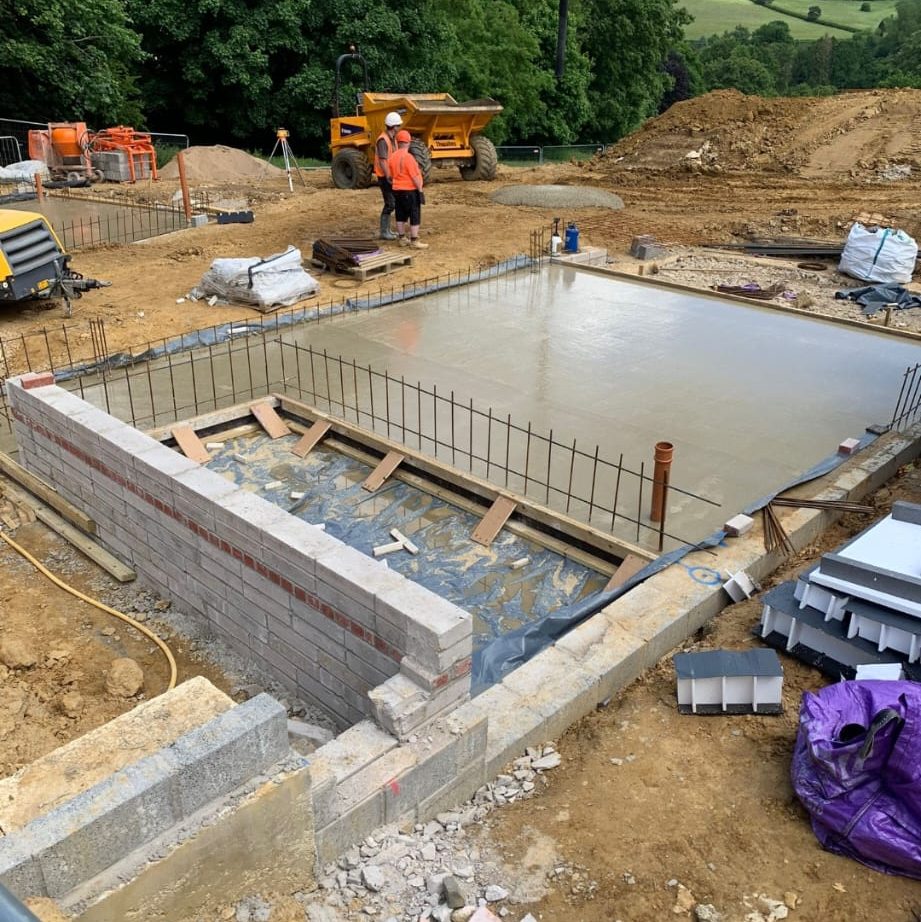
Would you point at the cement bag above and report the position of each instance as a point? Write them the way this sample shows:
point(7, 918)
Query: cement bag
point(855, 769)
point(883, 255)
point(277, 281)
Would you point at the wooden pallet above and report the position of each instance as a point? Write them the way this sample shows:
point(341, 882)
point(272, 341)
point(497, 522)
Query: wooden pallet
point(377, 265)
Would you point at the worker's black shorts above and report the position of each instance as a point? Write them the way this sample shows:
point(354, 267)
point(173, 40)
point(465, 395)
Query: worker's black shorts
point(387, 192)
point(409, 206)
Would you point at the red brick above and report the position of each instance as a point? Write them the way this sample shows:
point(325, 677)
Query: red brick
point(36, 379)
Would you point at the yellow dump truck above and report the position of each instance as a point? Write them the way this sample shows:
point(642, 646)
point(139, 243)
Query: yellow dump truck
point(446, 133)
point(33, 263)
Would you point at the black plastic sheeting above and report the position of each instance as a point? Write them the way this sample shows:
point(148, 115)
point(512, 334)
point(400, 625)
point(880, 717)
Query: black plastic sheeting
point(515, 648)
point(874, 298)
point(227, 331)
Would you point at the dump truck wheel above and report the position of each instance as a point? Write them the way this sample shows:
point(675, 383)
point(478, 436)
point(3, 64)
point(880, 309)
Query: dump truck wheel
point(423, 157)
point(351, 169)
point(485, 160)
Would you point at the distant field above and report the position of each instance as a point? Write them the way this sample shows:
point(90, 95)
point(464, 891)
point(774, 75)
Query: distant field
point(846, 12)
point(718, 16)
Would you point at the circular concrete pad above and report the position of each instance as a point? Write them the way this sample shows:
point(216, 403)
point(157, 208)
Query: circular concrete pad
point(557, 197)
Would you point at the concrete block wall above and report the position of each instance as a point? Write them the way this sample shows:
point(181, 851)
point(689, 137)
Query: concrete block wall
point(325, 620)
point(82, 837)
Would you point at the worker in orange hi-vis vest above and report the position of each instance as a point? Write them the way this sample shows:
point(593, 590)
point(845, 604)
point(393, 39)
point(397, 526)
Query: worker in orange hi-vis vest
point(407, 190)
point(384, 148)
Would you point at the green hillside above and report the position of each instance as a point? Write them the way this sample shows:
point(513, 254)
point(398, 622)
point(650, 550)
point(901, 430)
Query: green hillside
point(718, 16)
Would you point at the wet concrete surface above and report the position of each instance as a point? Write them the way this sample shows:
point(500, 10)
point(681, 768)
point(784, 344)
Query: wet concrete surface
point(749, 396)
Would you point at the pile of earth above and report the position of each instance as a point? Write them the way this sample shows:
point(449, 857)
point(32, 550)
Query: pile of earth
point(221, 164)
point(872, 135)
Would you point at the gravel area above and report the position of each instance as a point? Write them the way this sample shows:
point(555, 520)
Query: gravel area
point(557, 197)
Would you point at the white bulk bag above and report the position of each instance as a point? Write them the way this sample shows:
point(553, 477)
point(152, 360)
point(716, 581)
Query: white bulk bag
point(883, 255)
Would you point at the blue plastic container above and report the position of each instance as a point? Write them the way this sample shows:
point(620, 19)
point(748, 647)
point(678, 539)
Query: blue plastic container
point(571, 240)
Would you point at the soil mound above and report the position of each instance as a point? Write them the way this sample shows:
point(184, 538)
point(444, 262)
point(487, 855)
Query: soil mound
point(874, 134)
point(557, 197)
point(221, 164)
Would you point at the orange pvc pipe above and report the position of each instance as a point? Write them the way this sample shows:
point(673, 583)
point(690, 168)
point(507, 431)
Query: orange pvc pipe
point(184, 185)
point(664, 452)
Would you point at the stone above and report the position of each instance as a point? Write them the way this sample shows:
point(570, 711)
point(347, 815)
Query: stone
point(463, 914)
point(706, 912)
point(495, 893)
point(453, 894)
point(790, 899)
point(684, 901)
point(544, 763)
point(484, 915)
point(528, 918)
point(17, 653)
point(315, 734)
point(442, 914)
point(125, 678)
point(463, 870)
point(773, 910)
point(435, 884)
point(429, 852)
point(71, 704)
point(373, 878)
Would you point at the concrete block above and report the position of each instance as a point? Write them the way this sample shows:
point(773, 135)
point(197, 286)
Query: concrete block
point(458, 790)
point(229, 750)
point(848, 446)
point(513, 725)
point(20, 870)
point(355, 575)
point(350, 751)
point(651, 251)
point(197, 491)
point(398, 705)
point(287, 539)
point(606, 650)
point(353, 824)
point(639, 241)
point(161, 463)
point(390, 777)
point(738, 525)
point(556, 686)
point(111, 819)
point(316, 628)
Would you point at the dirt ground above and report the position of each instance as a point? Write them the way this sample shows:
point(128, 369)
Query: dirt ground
point(701, 801)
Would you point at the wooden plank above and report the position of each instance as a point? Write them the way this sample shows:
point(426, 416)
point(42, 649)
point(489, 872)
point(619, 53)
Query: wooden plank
point(446, 495)
point(563, 525)
point(630, 567)
point(47, 493)
point(308, 441)
point(389, 463)
point(98, 554)
point(275, 427)
point(238, 413)
point(190, 444)
point(491, 523)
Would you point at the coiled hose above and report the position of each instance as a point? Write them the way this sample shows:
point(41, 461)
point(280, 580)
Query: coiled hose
point(97, 604)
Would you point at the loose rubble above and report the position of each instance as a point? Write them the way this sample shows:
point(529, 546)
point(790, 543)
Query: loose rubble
point(435, 872)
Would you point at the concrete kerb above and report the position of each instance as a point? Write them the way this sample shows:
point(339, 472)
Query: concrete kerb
point(84, 836)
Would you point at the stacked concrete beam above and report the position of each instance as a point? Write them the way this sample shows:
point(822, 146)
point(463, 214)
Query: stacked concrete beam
point(328, 622)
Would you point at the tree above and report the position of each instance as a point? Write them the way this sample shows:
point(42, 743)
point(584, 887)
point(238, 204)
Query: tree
point(814, 13)
point(240, 68)
point(68, 60)
point(627, 42)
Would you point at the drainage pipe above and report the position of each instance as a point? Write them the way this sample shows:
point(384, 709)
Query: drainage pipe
point(11, 910)
point(660, 477)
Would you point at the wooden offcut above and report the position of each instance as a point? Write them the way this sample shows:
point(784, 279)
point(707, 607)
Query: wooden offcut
point(491, 523)
point(309, 440)
point(190, 444)
point(389, 463)
point(46, 493)
point(98, 554)
point(630, 566)
point(275, 427)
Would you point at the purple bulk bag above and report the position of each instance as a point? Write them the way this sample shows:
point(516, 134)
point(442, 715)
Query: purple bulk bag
point(857, 770)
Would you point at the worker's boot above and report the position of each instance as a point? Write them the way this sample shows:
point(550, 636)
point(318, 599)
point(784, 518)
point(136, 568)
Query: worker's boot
point(417, 244)
point(386, 232)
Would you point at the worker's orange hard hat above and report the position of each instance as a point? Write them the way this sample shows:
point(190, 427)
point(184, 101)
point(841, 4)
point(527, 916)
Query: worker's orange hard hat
point(404, 137)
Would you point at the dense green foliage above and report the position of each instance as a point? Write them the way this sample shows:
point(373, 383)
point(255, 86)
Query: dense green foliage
point(68, 59)
point(234, 70)
point(768, 61)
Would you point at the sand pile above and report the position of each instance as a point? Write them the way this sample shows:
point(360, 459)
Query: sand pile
point(872, 135)
point(221, 164)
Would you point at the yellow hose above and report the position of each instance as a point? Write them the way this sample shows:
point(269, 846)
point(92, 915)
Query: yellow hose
point(96, 604)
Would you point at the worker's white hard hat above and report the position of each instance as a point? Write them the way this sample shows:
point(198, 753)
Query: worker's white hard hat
point(392, 119)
